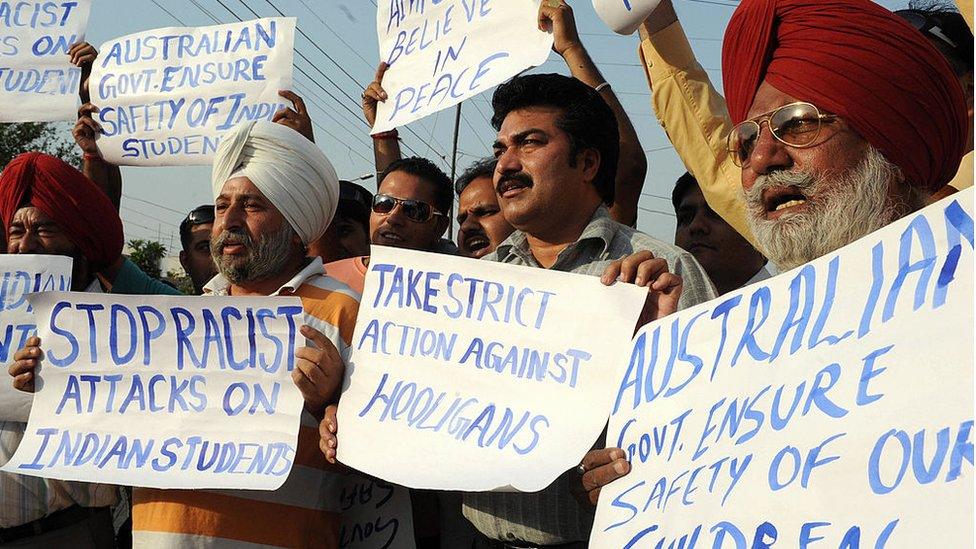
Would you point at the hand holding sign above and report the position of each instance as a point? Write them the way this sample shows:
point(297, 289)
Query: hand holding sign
point(556, 16)
point(373, 94)
point(296, 118)
point(624, 16)
point(24, 364)
point(86, 130)
point(643, 269)
point(318, 371)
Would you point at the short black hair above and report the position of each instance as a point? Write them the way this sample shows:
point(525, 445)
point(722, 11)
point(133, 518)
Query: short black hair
point(481, 168)
point(429, 172)
point(200, 215)
point(586, 118)
point(947, 30)
point(681, 188)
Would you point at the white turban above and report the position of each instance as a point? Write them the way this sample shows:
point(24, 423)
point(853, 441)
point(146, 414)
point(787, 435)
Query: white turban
point(287, 168)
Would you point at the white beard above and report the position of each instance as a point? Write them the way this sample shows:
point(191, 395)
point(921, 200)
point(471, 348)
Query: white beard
point(838, 210)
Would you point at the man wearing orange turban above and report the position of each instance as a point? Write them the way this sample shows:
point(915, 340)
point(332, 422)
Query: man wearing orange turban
point(49, 207)
point(847, 118)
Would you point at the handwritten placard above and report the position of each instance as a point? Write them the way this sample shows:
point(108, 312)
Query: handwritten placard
point(489, 367)
point(375, 515)
point(831, 406)
point(624, 16)
point(164, 392)
point(20, 276)
point(38, 83)
point(166, 96)
point(441, 53)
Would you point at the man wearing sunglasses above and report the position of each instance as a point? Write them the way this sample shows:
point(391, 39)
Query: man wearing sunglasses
point(195, 237)
point(410, 209)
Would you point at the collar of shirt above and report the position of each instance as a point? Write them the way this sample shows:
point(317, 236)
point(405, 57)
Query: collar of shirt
point(220, 286)
point(95, 287)
point(600, 230)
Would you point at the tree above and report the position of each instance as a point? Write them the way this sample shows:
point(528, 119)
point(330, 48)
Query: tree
point(146, 254)
point(46, 137)
point(181, 280)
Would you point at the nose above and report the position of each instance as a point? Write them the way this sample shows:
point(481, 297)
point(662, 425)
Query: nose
point(470, 224)
point(699, 225)
point(396, 216)
point(28, 243)
point(508, 162)
point(769, 155)
point(232, 217)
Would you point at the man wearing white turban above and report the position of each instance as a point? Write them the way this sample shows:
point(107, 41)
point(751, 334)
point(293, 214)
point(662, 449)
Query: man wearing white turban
point(274, 192)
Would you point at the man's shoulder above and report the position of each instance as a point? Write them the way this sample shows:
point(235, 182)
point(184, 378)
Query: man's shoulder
point(629, 240)
point(322, 287)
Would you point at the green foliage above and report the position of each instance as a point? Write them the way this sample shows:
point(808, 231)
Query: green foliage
point(146, 254)
point(181, 280)
point(46, 137)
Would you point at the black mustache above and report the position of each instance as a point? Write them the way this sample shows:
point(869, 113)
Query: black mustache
point(520, 177)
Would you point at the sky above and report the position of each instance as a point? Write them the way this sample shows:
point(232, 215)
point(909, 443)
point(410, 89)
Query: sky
point(336, 57)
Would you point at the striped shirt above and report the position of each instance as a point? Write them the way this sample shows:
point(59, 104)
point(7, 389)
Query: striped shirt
point(25, 498)
point(304, 512)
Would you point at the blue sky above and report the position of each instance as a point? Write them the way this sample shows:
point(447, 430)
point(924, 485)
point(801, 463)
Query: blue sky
point(336, 56)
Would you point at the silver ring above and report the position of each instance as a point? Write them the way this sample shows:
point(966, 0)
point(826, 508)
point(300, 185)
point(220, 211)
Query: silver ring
point(581, 469)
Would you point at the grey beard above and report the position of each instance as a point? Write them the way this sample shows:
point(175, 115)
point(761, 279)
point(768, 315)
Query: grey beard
point(263, 260)
point(838, 210)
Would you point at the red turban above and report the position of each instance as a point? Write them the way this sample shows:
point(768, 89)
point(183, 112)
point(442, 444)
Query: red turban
point(64, 194)
point(856, 59)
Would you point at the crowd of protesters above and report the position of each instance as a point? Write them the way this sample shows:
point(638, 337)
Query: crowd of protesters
point(837, 119)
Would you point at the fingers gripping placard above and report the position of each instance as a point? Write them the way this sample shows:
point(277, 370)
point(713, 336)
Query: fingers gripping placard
point(830, 406)
point(165, 96)
point(164, 392)
point(495, 369)
point(20, 276)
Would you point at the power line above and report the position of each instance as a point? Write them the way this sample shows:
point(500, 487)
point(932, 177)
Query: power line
point(160, 6)
point(160, 206)
point(659, 212)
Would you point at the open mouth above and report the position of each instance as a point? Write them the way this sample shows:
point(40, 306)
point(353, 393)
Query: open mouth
point(783, 199)
point(475, 243)
point(694, 246)
point(390, 236)
point(511, 187)
point(233, 248)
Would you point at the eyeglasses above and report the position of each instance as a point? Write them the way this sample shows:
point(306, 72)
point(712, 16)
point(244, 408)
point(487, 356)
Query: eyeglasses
point(797, 125)
point(415, 210)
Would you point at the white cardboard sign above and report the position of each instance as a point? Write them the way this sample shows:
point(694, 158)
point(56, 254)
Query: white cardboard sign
point(38, 83)
point(501, 375)
point(830, 406)
point(375, 515)
point(441, 53)
point(21, 275)
point(164, 392)
point(167, 95)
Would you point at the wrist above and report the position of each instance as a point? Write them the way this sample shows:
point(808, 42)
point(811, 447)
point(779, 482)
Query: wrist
point(389, 134)
point(92, 157)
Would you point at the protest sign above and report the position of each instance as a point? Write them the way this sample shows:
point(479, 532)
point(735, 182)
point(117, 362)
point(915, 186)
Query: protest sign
point(38, 83)
point(833, 403)
point(375, 515)
point(484, 369)
point(441, 53)
point(624, 16)
point(166, 95)
point(175, 392)
point(21, 275)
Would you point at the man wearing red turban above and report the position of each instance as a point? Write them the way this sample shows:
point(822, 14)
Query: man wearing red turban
point(847, 118)
point(49, 207)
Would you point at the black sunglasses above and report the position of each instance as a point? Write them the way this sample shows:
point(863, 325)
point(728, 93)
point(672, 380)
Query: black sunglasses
point(199, 216)
point(415, 210)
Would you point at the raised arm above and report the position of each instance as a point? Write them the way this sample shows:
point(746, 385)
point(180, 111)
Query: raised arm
point(386, 145)
point(632, 165)
point(692, 112)
point(107, 176)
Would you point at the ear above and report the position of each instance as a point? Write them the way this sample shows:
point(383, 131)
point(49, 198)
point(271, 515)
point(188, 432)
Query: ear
point(590, 161)
point(183, 261)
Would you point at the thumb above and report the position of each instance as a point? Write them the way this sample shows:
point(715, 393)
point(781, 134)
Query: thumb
point(320, 341)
